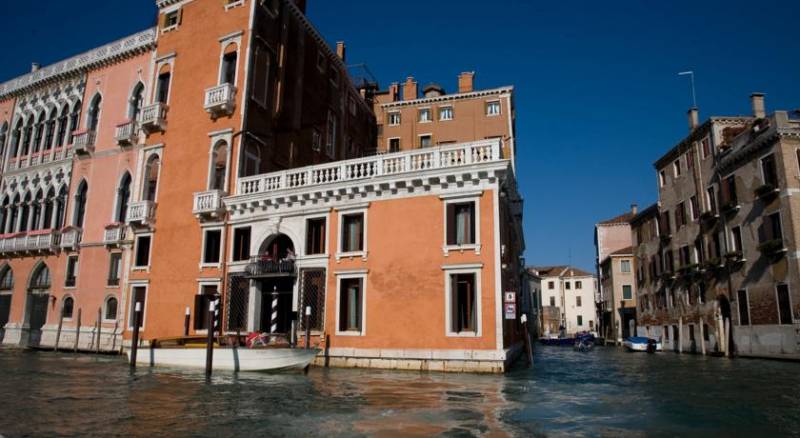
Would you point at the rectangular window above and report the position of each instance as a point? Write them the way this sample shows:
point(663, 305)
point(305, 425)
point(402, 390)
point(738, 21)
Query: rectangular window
point(493, 108)
point(627, 292)
point(228, 70)
point(202, 303)
point(315, 236)
point(699, 257)
point(666, 333)
point(351, 303)
point(712, 200)
point(171, 20)
point(394, 119)
point(705, 333)
point(461, 224)
point(676, 167)
point(424, 115)
point(768, 170)
point(114, 268)
point(567, 285)
point(138, 295)
point(353, 232)
point(142, 259)
point(625, 266)
point(706, 147)
point(736, 239)
point(684, 256)
point(241, 244)
point(695, 207)
point(446, 113)
point(162, 93)
point(551, 285)
point(689, 160)
point(425, 141)
point(261, 67)
point(394, 145)
point(680, 215)
point(552, 301)
point(70, 279)
point(729, 198)
point(773, 227)
point(578, 285)
point(463, 302)
point(744, 307)
point(662, 178)
point(784, 305)
point(691, 332)
point(675, 332)
point(580, 320)
point(578, 301)
point(211, 247)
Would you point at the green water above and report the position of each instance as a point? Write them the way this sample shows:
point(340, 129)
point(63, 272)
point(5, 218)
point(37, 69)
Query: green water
point(605, 392)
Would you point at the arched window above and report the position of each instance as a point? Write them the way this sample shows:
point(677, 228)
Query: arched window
point(25, 212)
point(110, 312)
point(93, 118)
point(50, 130)
point(26, 137)
point(151, 178)
point(219, 166)
point(49, 201)
point(61, 208)
point(13, 216)
point(16, 139)
point(74, 119)
point(250, 161)
point(228, 67)
point(36, 211)
point(136, 102)
point(63, 121)
point(123, 197)
point(163, 83)
point(39, 132)
point(6, 278)
point(3, 136)
point(4, 212)
point(80, 204)
point(41, 278)
point(68, 307)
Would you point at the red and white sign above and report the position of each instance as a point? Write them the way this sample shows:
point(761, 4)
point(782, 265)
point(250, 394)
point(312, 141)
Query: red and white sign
point(511, 311)
point(510, 297)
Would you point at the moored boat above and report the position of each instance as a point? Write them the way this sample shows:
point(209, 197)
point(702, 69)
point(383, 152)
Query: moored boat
point(640, 343)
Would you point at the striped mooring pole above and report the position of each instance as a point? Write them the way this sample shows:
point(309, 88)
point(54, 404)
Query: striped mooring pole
point(274, 320)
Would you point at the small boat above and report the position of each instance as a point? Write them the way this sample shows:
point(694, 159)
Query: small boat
point(190, 352)
point(558, 342)
point(640, 343)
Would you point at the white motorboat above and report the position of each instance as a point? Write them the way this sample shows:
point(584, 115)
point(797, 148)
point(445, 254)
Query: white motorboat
point(639, 343)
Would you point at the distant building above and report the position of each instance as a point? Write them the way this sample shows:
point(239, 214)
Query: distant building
point(532, 288)
point(567, 299)
point(619, 289)
point(610, 236)
point(718, 260)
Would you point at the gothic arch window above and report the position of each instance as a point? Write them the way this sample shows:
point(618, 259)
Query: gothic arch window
point(40, 279)
point(4, 212)
point(228, 67)
point(25, 213)
point(3, 136)
point(26, 137)
point(136, 102)
point(13, 216)
point(219, 166)
point(250, 161)
point(93, 119)
point(38, 132)
point(74, 119)
point(63, 123)
point(6, 278)
point(61, 208)
point(50, 129)
point(36, 211)
point(152, 169)
point(110, 311)
point(16, 139)
point(80, 204)
point(123, 197)
point(49, 204)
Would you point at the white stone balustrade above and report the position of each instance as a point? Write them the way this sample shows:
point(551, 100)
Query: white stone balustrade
point(208, 203)
point(441, 157)
point(141, 212)
point(220, 99)
point(38, 241)
point(114, 234)
point(83, 142)
point(154, 117)
point(125, 133)
point(70, 238)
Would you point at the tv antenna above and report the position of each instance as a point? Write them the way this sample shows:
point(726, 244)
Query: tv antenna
point(690, 73)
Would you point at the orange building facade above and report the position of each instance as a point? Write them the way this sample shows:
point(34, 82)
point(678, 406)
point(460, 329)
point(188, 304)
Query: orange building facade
point(225, 156)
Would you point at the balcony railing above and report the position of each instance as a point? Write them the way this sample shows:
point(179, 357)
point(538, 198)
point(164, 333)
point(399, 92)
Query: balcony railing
point(442, 157)
point(265, 267)
point(114, 234)
point(220, 99)
point(154, 117)
point(35, 241)
point(208, 203)
point(125, 133)
point(70, 238)
point(83, 142)
point(141, 213)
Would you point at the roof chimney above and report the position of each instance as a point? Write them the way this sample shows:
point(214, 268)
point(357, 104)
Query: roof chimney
point(466, 82)
point(35, 66)
point(410, 89)
point(634, 209)
point(341, 51)
point(757, 101)
point(694, 118)
point(394, 91)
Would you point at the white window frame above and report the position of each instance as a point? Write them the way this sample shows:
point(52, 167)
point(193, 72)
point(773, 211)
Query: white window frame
point(442, 112)
point(217, 282)
point(489, 104)
point(133, 284)
point(119, 271)
point(346, 275)
point(622, 266)
point(450, 270)
point(225, 136)
point(462, 198)
point(326, 251)
point(77, 271)
point(225, 41)
point(391, 115)
point(105, 308)
point(169, 60)
point(347, 211)
point(232, 243)
point(205, 230)
point(75, 305)
point(633, 294)
point(389, 143)
point(420, 112)
point(134, 267)
point(677, 171)
point(174, 10)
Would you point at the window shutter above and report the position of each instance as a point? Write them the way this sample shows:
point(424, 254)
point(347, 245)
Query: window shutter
point(451, 224)
point(199, 312)
point(471, 228)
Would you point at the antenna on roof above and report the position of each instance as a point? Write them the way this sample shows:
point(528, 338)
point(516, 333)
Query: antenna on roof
point(690, 73)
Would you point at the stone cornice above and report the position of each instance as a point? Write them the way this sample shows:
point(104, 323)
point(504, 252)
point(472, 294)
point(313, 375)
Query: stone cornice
point(109, 53)
point(450, 97)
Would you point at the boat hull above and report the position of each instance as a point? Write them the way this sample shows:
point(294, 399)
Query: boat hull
point(639, 347)
point(228, 359)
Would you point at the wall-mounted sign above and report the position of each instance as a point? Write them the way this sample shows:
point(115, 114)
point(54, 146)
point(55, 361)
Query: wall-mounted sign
point(510, 297)
point(511, 311)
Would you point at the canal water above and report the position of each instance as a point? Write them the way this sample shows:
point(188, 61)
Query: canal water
point(603, 392)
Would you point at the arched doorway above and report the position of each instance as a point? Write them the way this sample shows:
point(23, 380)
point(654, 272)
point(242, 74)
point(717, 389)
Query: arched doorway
point(38, 300)
point(6, 292)
point(725, 311)
point(273, 273)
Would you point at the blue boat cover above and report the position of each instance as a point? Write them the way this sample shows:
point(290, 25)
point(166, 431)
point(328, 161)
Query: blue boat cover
point(638, 339)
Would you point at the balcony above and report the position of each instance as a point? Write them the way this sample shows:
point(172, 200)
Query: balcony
point(125, 133)
point(141, 213)
point(70, 238)
point(208, 204)
point(220, 100)
point(33, 242)
point(266, 267)
point(766, 192)
point(83, 142)
point(114, 234)
point(154, 117)
point(773, 248)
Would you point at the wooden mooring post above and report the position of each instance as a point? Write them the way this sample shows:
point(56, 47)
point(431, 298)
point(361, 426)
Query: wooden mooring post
point(78, 331)
point(114, 336)
point(98, 327)
point(680, 335)
point(187, 321)
point(58, 332)
point(137, 315)
point(210, 340)
point(306, 325)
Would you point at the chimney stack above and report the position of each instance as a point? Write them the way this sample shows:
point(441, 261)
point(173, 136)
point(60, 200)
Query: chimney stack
point(410, 89)
point(694, 119)
point(466, 82)
point(394, 91)
point(35, 66)
point(341, 51)
point(757, 101)
point(634, 209)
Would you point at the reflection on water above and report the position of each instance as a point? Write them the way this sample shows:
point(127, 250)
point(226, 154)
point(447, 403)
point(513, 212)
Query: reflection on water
point(606, 392)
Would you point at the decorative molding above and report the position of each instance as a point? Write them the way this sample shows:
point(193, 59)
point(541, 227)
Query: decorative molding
point(450, 97)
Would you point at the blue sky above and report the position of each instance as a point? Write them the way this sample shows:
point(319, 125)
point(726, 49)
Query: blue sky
point(597, 92)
